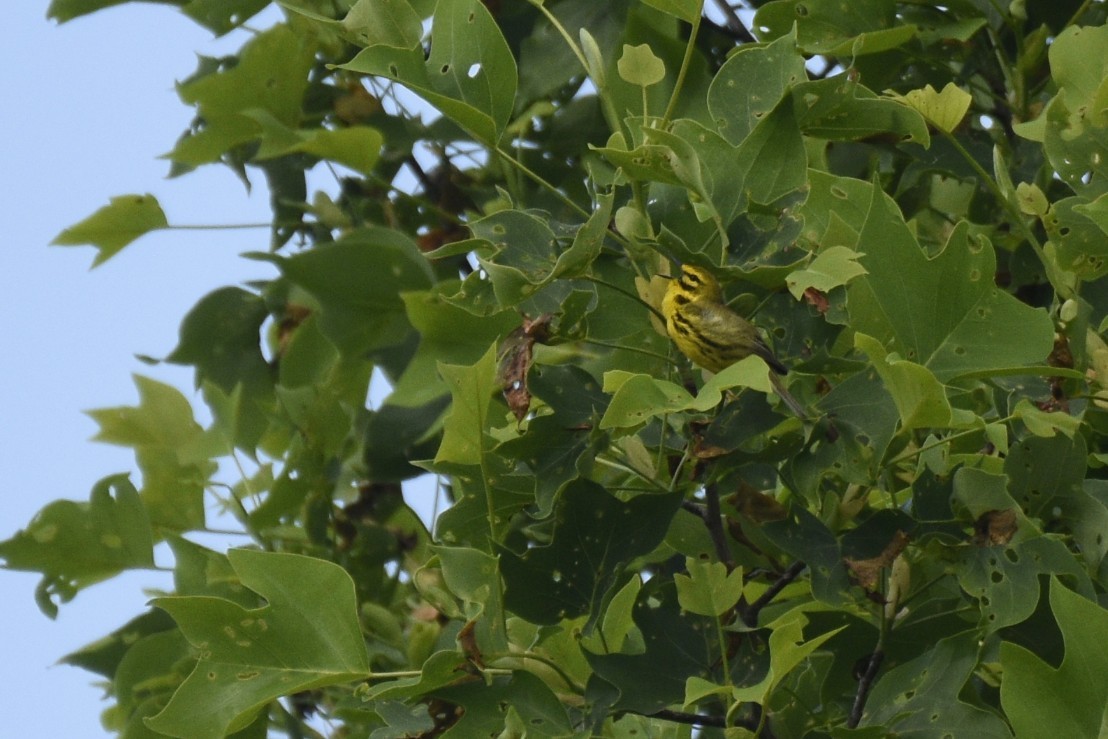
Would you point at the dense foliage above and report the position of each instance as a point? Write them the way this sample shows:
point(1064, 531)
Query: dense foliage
point(910, 199)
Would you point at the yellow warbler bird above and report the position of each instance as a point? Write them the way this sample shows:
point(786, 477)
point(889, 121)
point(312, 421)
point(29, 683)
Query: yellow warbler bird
point(711, 334)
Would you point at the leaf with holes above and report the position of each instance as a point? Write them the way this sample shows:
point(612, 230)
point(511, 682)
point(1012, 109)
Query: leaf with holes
point(470, 75)
point(306, 636)
point(595, 536)
point(943, 312)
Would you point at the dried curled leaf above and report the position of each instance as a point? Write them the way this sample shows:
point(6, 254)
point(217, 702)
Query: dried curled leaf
point(995, 528)
point(515, 361)
point(866, 571)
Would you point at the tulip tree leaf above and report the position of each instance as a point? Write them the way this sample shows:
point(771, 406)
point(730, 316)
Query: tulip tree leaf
point(306, 636)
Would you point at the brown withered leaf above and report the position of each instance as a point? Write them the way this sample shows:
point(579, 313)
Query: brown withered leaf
point(515, 360)
point(703, 450)
point(995, 528)
point(817, 299)
point(866, 571)
point(467, 640)
point(294, 316)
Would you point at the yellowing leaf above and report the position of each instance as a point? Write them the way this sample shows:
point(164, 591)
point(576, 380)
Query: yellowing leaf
point(944, 110)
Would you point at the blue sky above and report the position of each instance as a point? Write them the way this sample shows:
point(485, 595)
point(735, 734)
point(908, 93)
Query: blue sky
point(89, 106)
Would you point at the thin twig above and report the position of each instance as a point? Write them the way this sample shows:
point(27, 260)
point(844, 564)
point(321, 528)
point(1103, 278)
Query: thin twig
point(713, 517)
point(864, 685)
point(735, 23)
point(696, 719)
point(749, 614)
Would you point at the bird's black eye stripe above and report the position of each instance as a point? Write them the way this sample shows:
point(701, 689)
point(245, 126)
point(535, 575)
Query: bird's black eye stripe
point(690, 279)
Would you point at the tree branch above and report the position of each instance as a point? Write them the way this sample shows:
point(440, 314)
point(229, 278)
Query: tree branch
point(715, 722)
point(864, 685)
point(713, 517)
point(749, 613)
point(734, 23)
point(680, 717)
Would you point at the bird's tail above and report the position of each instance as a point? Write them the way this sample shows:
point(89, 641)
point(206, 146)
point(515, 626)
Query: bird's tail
point(786, 396)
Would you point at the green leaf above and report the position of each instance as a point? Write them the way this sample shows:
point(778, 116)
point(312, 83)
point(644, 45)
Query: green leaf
point(1043, 470)
point(115, 226)
point(474, 576)
point(153, 667)
point(75, 544)
point(839, 109)
point(1076, 132)
point(639, 66)
point(448, 333)
point(709, 589)
point(488, 708)
point(221, 338)
point(384, 23)
point(806, 538)
point(1068, 701)
point(172, 450)
point(271, 76)
point(787, 649)
point(306, 636)
point(828, 27)
point(835, 212)
point(487, 499)
point(672, 637)
point(921, 697)
point(1005, 579)
point(686, 10)
point(595, 537)
point(441, 669)
point(919, 396)
point(945, 312)
point(218, 16)
point(198, 571)
point(617, 626)
point(833, 267)
point(470, 74)
point(67, 10)
point(772, 159)
point(103, 656)
point(357, 281)
point(467, 423)
point(550, 455)
point(221, 16)
point(763, 74)
point(638, 398)
point(357, 147)
point(1076, 229)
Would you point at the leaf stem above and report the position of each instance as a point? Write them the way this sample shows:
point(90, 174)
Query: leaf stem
point(569, 681)
point(1013, 212)
point(628, 293)
point(618, 465)
point(685, 61)
point(539, 180)
point(939, 442)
